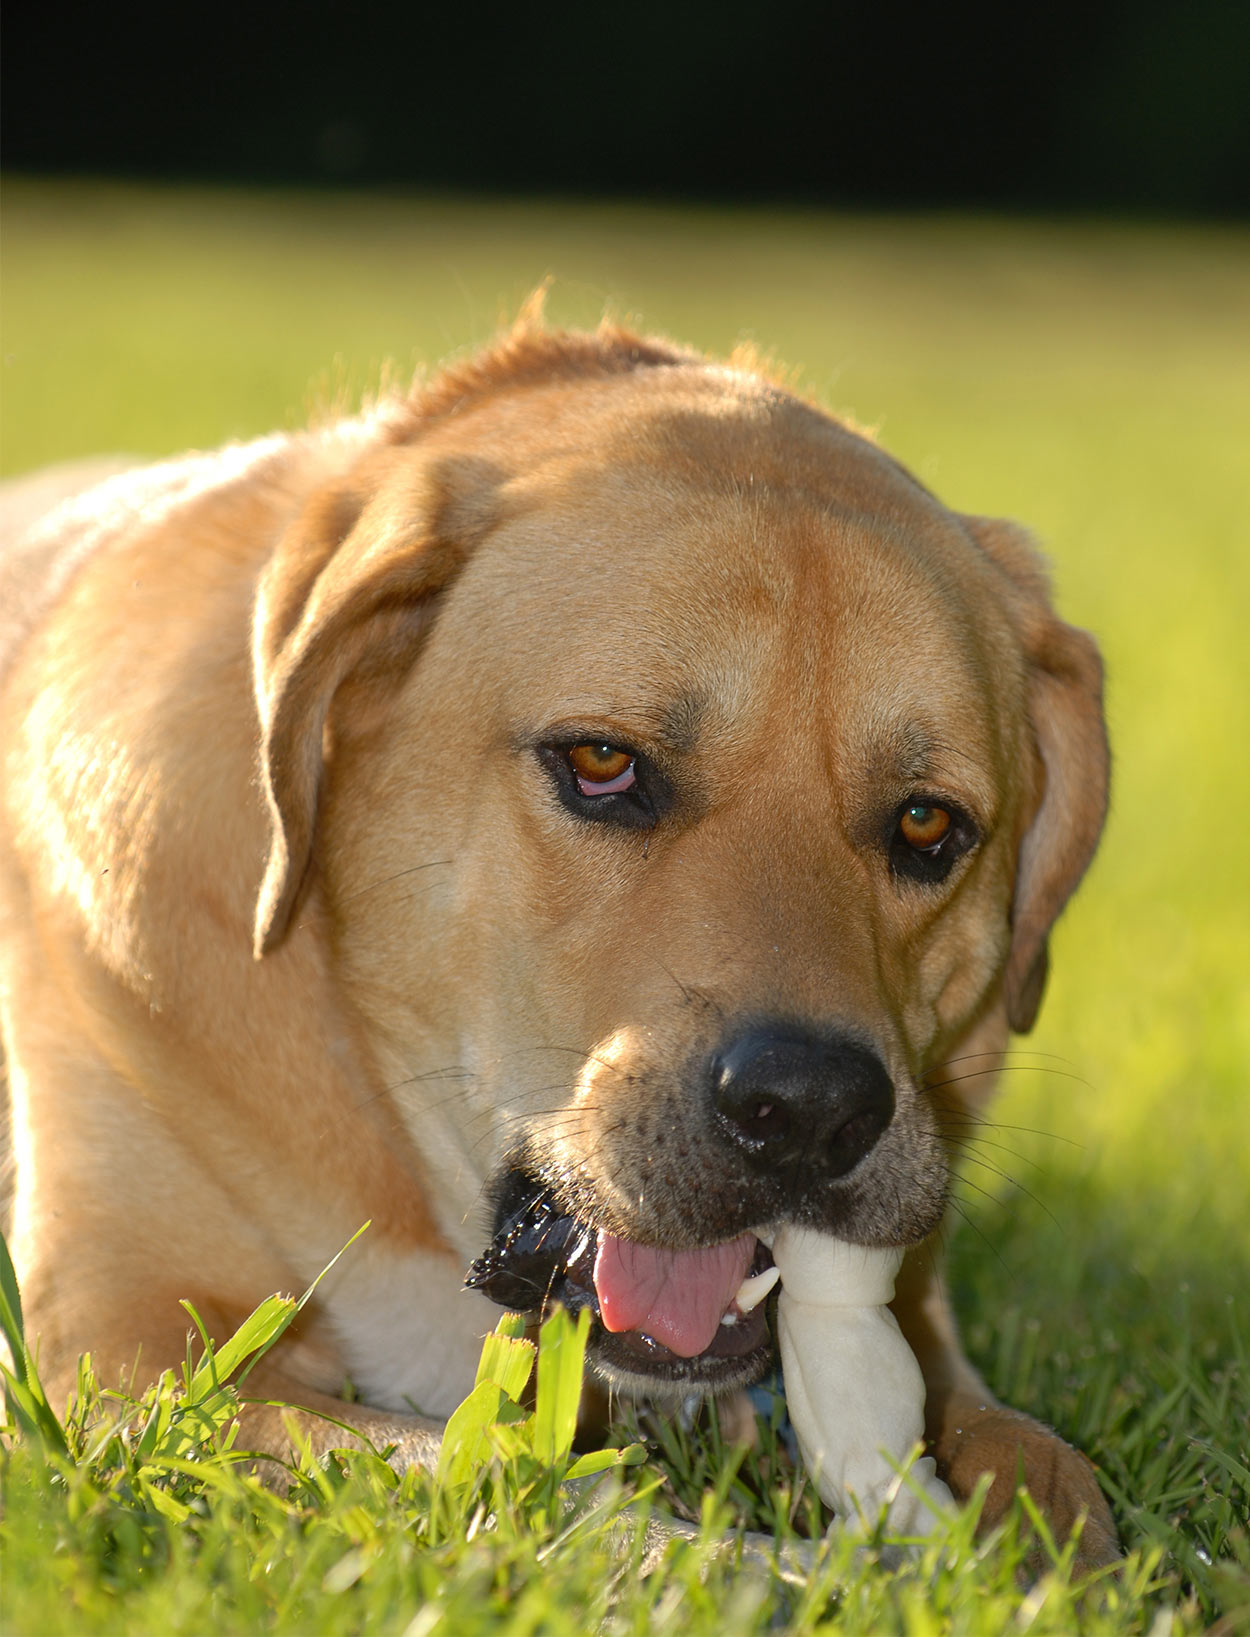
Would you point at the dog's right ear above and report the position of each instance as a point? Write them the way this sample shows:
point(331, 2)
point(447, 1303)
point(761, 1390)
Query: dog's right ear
point(1070, 741)
point(354, 580)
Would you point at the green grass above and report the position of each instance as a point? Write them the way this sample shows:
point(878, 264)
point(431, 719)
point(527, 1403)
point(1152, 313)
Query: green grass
point(1089, 378)
point(146, 1516)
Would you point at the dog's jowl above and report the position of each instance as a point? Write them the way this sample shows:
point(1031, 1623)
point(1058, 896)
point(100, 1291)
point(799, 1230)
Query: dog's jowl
point(573, 817)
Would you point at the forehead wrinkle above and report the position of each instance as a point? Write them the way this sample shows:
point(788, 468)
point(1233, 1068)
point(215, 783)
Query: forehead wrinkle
point(904, 750)
point(680, 721)
point(912, 753)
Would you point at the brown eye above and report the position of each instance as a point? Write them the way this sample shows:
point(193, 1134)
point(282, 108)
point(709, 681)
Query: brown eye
point(926, 840)
point(924, 827)
point(602, 770)
point(598, 781)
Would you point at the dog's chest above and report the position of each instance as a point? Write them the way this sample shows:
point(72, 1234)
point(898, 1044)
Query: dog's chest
point(410, 1334)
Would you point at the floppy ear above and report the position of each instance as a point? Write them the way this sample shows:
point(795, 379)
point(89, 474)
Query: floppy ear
point(1065, 708)
point(351, 584)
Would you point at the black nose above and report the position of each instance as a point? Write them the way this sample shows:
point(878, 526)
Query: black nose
point(788, 1097)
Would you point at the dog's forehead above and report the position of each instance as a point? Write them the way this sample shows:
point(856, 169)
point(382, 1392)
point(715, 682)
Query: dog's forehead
point(720, 546)
point(718, 429)
point(717, 477)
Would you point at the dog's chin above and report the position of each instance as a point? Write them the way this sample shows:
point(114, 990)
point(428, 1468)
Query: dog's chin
point(636, 1366)
point(541, 1256)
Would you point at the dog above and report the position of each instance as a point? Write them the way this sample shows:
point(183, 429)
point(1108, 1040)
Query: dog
point(569, 817)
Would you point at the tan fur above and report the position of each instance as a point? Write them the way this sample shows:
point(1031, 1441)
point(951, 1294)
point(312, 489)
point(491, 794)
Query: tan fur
point(294, 933)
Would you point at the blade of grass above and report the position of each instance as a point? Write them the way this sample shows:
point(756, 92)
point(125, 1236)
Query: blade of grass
point(561, 1362)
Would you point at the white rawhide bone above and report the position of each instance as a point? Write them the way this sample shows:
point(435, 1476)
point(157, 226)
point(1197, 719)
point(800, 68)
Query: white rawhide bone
point(853, 1387)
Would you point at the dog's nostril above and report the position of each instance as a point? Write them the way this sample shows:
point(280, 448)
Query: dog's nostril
point(764, 1123)
point(859, 1133)
point(787, 1096)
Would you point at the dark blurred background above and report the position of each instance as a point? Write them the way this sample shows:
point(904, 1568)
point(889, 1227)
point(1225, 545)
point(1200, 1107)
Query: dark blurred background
point(1136, 106)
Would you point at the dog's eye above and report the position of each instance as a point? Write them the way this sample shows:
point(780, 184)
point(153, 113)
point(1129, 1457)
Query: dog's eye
point(607, 783)
point(926, 839)
point(602, 770)
point(924, 827)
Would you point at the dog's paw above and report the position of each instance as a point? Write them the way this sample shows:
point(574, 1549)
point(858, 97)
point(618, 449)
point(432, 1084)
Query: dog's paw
point(979, 1436)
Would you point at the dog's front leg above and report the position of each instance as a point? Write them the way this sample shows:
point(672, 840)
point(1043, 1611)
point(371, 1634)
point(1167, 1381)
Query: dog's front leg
point(282, 1416)
point(971, 1433)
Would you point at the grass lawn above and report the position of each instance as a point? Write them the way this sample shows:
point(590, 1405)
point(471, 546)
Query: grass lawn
point(1091, 379)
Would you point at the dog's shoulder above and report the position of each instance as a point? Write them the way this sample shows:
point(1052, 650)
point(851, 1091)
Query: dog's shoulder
point(57, 519)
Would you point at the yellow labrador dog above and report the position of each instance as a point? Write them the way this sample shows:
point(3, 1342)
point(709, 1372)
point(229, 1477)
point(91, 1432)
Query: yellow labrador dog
point(572, 817)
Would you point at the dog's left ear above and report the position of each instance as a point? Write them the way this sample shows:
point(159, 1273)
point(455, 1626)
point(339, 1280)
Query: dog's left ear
point(351, 586)
point(1065, 707)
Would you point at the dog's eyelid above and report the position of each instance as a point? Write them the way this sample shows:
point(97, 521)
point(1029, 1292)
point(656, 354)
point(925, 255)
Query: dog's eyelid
point(592, 730)
point(965, 812)
point(636, 800)
point(929, 864)
point(665, 734)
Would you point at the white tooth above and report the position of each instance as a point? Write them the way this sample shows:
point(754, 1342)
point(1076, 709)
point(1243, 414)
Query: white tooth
point(754, 1288)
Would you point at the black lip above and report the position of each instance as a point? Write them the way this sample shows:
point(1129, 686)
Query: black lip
point(540, 1255)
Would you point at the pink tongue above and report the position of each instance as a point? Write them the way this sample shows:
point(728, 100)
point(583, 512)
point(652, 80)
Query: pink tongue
point(677, 1297)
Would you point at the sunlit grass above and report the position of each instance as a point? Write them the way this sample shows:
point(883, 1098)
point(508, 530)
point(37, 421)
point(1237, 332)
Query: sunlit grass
point(147, 1516)
point(1090, 379)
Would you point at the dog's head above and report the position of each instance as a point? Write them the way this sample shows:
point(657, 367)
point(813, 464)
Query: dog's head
point(680, 784)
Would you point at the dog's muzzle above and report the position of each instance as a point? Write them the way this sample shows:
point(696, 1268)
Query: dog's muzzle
point(788, 1113)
